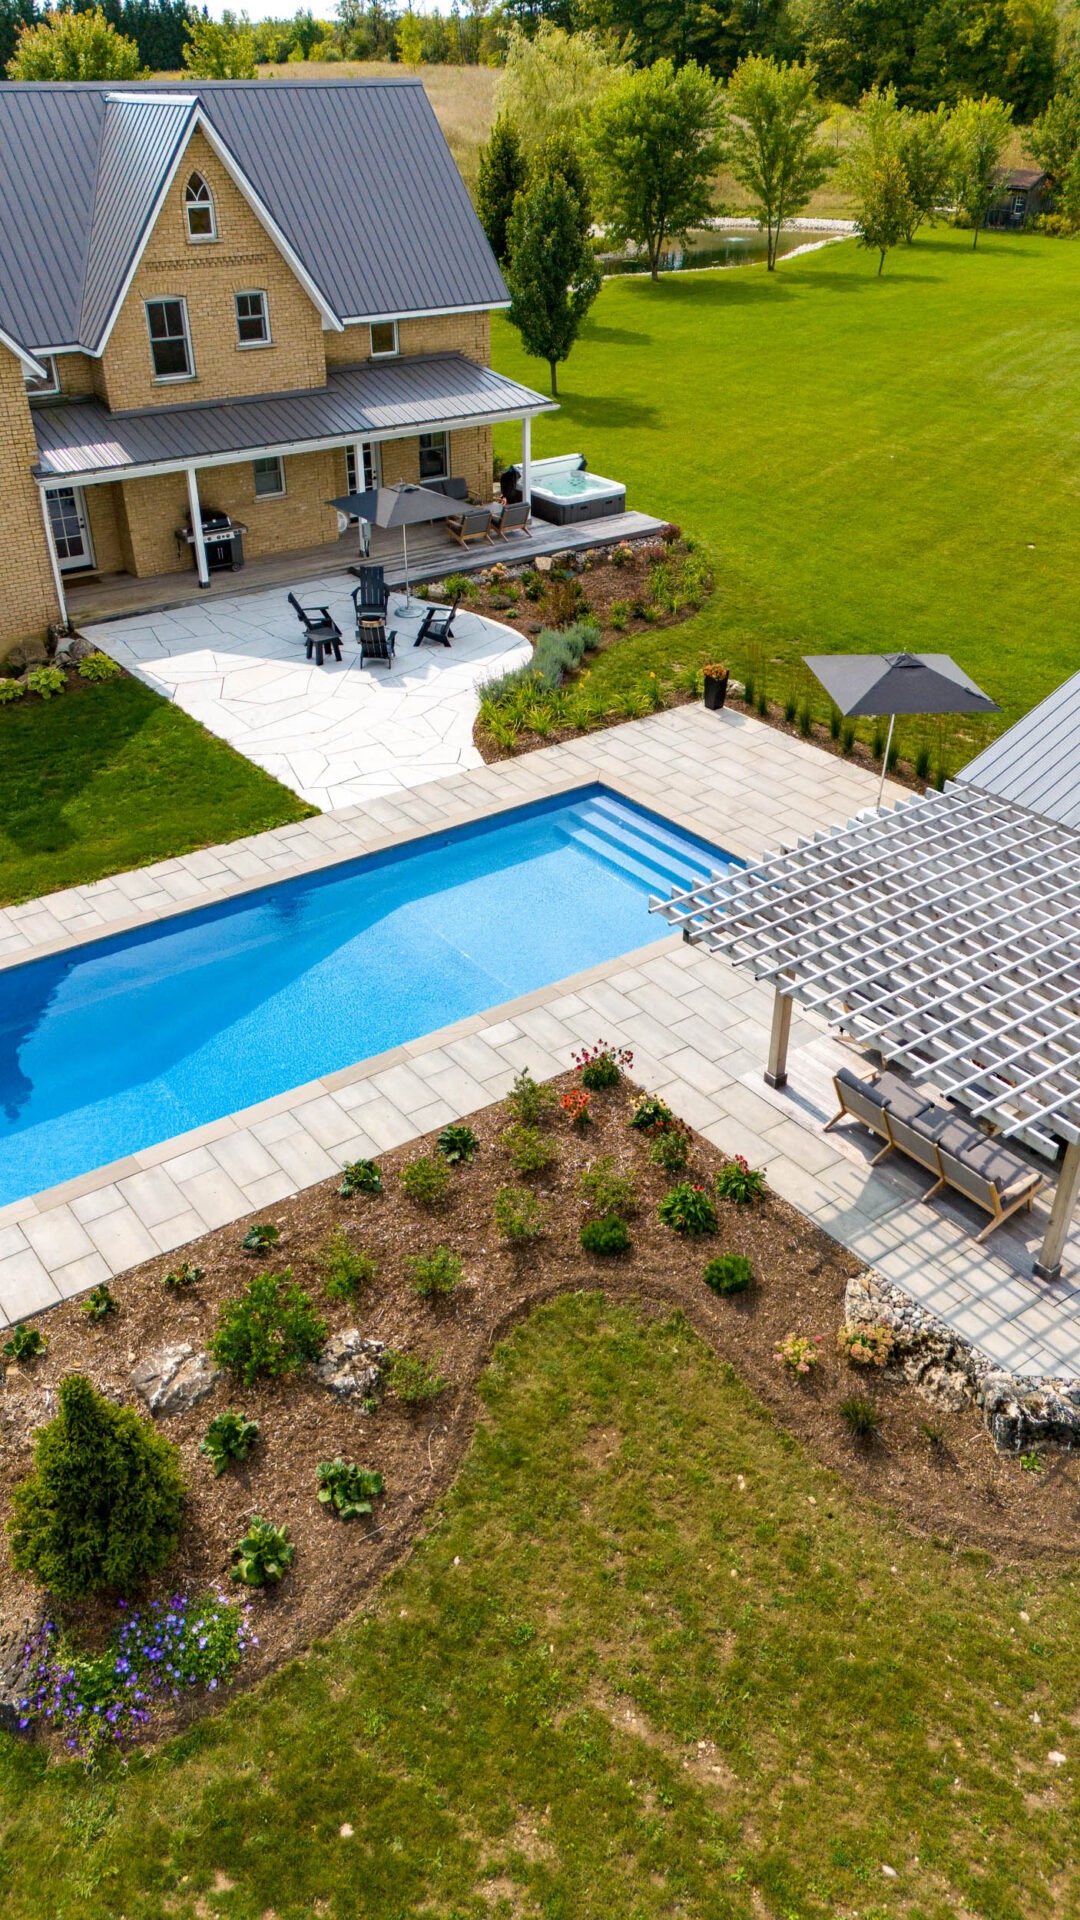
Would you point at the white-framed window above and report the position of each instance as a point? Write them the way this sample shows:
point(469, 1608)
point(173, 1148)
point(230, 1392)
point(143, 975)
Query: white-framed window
point(384, 339)
point(49, 382)
point(372, 468)
point(253, 319)
point(199, 209)
point(434, 456)
point(170, 339)
point(1019, 204)
point(269, 477)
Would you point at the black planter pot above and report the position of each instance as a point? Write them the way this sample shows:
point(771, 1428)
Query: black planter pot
point(715, 691)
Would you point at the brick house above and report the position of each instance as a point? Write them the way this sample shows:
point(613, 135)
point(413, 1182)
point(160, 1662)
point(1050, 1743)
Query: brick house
point(235, 297)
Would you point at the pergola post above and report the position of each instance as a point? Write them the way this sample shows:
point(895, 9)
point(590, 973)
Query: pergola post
point(776, 1071)
point(195, 510)
point(1048, 1264)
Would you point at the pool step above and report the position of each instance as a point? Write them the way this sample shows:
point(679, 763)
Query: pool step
point(656, 857)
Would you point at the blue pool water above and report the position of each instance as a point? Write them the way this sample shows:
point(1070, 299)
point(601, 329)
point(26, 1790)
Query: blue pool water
point(130, 1040)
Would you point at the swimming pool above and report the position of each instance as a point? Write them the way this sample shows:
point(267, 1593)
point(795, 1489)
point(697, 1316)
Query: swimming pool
point(124, 1042)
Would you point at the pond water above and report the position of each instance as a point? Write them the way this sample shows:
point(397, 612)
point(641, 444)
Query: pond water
point(708, 248)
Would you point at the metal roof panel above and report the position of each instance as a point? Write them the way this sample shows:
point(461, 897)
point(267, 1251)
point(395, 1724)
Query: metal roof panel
point(1036, 764)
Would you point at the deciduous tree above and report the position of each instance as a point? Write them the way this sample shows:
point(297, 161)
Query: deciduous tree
point(551, 82)
point(502, 174)
point(220, 49)
point(551, 270)
point(74, 46)
point(978, 135)
point(773, 147)
point(655, 138)
point(884, 205)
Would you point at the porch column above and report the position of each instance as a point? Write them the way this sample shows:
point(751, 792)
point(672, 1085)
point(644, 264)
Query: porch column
point(526, 458)
point(363, 527)
point(1048, 1264)
point(776, 1071)
point(54, 558)
point(195, 510)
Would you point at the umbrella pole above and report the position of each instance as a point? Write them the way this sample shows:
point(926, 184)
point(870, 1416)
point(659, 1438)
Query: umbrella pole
point(885, 762)
point(407, 608)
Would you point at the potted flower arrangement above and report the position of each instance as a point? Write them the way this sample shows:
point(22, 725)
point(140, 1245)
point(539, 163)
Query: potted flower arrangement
point(716, 685)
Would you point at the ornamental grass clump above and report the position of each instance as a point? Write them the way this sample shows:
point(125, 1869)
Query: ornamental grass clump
point(426, 1180)
point(272, 1328)
point(229, 1437)
point(798, 1352)
point(528, 1149)
point(261, 1236)
point(104, 1504)
point(519, 1216)
point(611, 1235)
point(458, 1145)
point(607, 1190)
point(737, 1180)
point(602, 1066)
point(26, 1343)
point(866, 1346)
point(349, 1490)
point(412, 1380)
point(861, 1417)
point(687, 1209)
point(360, 1176)
point(346, 1270)
point(264, 1555)
point(729, 1273)
point(436, 1274)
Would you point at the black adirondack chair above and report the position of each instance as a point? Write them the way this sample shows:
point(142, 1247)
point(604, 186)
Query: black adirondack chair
point(372, 594)
point(321, 630)
point(437, 625)
point(373, 640)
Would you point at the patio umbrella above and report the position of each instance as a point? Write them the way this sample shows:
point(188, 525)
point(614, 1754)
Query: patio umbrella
point(892, 683)
point(402, 506)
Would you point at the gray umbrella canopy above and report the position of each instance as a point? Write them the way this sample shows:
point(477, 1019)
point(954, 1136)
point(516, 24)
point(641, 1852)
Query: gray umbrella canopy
point(402, 506)
point(880, 683)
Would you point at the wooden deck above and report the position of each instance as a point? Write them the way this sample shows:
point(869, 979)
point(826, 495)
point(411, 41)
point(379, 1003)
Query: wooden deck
point(432, 552)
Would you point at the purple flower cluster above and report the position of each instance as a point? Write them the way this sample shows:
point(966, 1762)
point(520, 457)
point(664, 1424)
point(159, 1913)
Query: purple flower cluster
point(153, 1656)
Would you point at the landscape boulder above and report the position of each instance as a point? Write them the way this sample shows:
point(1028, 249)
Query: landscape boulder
point(350, 1365)
point(173, 1379)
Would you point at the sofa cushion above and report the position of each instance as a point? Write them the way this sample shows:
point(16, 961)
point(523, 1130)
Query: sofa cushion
point(901, 1097)
point(989, 1158)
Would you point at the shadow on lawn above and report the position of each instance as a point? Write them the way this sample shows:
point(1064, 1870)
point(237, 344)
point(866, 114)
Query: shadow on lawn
point(50, 753)
point(608, 410)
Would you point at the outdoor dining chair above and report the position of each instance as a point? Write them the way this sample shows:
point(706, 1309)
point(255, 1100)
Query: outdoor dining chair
point(321, 630)
point(437, 625)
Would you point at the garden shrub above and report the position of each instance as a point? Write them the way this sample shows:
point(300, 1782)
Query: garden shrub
point(457, 584)
point(25, 1344)
point(458, 1144)
point(46, 681)
point(104, 1503)
point(360, 1176)
point(558, 651)
point(529, 1150)
point(861, 1417)
point(687, 1209)
point(271, 1328)
point(349, 1490)
point(264, 1555)
point(619, 614)
point(602, 1066)
point(412, 1379)
point(651, 1115)
point(426, 1180)
point(671, 1149)
point(228, 1437)
point(519, 1215)
point(737, 1180)
point(185, 1275)
point(866, 1346)
point(607, 1190)
point(261, 1236)
point(99, 666)
point(345, 1269)
point(436, 1273)
point(608, 1235)
point(100, 1303)
point(798, 1353)
point(11, 690)
point(728, 1273)
point(530, 1100)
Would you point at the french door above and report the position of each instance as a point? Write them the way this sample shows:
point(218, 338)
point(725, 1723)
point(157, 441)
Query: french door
point(70, 528)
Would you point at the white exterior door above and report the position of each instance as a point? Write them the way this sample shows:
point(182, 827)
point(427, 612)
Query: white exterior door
point(70, 528)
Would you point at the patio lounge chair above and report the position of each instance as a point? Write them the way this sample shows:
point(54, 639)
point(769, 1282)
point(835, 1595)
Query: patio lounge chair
point(473, 524)
point(373, 593)
point(437, 625)
point(513, 517)
point(373, 640)
point(321, 630)
point(866, 1100)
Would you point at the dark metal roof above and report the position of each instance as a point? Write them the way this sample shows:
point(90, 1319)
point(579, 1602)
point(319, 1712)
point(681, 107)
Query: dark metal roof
point(82, 439)
point(1036, 764)
point(356, 174)
point(1023, 177)
point(139, 143)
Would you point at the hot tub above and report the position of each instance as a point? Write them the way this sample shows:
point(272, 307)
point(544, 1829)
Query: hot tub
point(563, 491)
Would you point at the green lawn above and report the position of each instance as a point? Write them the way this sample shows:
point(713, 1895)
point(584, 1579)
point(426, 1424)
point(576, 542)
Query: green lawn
point(871, 463)
point(507, 1733)
point(111, 776)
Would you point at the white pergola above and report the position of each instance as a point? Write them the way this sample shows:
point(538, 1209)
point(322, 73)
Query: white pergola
point(944, 932)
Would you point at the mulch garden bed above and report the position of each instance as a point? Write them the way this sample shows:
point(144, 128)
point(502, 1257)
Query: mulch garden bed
point(959, 1490)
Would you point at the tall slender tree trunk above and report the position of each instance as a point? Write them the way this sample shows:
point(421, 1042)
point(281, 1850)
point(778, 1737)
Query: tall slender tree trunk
point(554, 377)
point(881, 263)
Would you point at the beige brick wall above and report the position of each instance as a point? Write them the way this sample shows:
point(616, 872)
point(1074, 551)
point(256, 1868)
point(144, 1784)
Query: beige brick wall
point(78, 373)
point(467, 333)
point(28, 602)
point(151, 510)
point(104, 510)
point(208, 275)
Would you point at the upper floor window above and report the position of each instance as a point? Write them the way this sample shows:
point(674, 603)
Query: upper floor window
point(434, 456)
point(49, 382)
point(252, 320)
point(199, 209)
point(384, 339)
point(170, 340)
point(269, 477)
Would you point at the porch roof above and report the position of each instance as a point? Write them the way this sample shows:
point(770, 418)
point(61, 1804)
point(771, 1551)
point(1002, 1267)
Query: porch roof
point(80, 440)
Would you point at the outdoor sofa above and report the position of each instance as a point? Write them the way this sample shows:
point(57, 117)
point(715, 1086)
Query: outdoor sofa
point(983, 1169)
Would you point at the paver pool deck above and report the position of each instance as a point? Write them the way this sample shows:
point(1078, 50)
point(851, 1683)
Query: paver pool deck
point(698, 1028)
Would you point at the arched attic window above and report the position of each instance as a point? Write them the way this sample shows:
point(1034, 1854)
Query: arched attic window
point(199, 208)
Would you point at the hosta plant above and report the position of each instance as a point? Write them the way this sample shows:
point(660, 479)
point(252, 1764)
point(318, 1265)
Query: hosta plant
point(729, 1273)
point(25, 1344)
point(99, 666)
point(458, 1144)
point(651, 1115)
point(261, 1236)
point(412, 1379)
point(228, 1437)
point(603, 1065)
point(185, 1275)
point(737, 1180)
point(100, 1303)
point(426, 1180)
point(607, 1236)
point(45, 681)
point(11, 690)
point(345, 1269)
point(866, 1346)
point(349, 1490)
point(798, 1352)
point(271, 1328)
point(360, 1176)
point(687, 1209)
point(435, 1274)
point(264, 1555)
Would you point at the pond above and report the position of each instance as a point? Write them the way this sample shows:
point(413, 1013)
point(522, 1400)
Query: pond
point(707, 247)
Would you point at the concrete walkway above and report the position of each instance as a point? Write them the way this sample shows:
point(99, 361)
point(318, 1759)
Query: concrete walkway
point(698, 1029)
